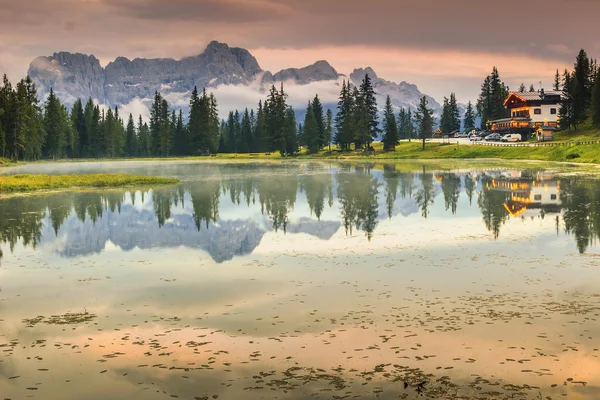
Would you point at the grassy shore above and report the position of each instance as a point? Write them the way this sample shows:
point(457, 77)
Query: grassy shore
point(28, 183)
point(579, 153)
point(573, 152)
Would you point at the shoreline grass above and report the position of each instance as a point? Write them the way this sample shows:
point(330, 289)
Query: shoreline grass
point(28, 183)
point(572, 153)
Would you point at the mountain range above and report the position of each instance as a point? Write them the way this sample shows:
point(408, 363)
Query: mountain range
point(75, 76)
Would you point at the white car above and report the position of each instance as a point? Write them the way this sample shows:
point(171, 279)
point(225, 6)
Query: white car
point(511, 137)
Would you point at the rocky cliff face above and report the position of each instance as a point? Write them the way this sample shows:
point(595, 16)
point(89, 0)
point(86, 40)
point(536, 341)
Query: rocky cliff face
point(80, 76)
point(319, 71)
point(72, 76)
point(402, 94)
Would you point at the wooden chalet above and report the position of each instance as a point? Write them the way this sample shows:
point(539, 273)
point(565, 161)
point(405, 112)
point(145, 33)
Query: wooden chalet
point(528, 111)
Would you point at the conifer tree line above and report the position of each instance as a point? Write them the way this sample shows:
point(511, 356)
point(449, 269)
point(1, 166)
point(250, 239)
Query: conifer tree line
point(356, 122)
point(450, 120)
point(580, 93)
point(490, 104)
point(30, 130)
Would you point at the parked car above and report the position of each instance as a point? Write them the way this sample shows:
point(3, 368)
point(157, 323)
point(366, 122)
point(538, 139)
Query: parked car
point(511, 137)
point(494, 137)
point(475, 138)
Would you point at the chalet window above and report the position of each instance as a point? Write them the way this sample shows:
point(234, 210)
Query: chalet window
point(553, 111)
point(552, 197)
point(537, 111)
point(537, 197)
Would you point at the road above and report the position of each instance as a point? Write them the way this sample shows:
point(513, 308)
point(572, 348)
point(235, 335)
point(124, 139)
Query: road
point(466, 142)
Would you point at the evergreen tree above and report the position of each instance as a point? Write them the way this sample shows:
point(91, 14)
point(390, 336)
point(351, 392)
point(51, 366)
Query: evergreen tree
point(581, 92)
point(405, 125)
point(469, 120)
point(166, 130)
point(531, 89)
point(484, 108)
point(522, 88)
point(290, 131)
point(320, 118)
point(108, 126)
point(36, 136)
point(130, 144)
point(402, 124)
point(596, 102)
point(142, 138)
point(390, 127)
point(490, 105)
point(195, 124)
point(180, 142)
point(301, 141)
point(72, 140)
point(445, 119)
point(245, 140)
point(410, 127)
point(78, 127)
point(97, 134)
point(54, 126)
point(328, 129)
point(275, 114)
point(360, 121)
point(454, 113)
point(424, 119)
point(369, 102)
point(557, 82)
point(566, 107)
point(236, 132)
point(311, 130)
point(6, 116)
point(213, 123)
point(87, 134)
point(222, 137)
point(156, 123)
point(230, 134)
point(260, 133)
point(344, 132)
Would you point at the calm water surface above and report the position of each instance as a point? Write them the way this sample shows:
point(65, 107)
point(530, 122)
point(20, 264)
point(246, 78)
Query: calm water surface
point(302, 281)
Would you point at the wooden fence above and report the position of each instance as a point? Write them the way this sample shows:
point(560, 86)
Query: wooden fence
point(541, 144)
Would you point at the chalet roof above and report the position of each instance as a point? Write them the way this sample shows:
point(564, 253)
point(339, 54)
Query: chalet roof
point(533, 96)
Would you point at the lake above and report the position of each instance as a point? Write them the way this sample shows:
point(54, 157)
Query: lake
point(302, 281)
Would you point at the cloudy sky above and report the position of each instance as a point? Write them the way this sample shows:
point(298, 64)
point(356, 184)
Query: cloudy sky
point(440, 45)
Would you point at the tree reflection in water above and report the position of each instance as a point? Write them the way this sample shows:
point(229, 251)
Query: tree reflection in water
point(360, 192)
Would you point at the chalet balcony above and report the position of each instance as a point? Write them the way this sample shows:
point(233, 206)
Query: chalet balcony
point(519, 125)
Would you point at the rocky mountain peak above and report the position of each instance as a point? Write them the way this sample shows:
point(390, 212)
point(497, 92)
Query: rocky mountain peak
point(319, 71)
point(359, 74)
point(79, 76)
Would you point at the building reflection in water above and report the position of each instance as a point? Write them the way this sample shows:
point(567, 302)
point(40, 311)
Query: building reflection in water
point(228, 213)
point(529, 196)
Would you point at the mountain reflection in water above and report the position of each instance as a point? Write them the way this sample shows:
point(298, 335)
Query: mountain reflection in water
point(316, 200)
